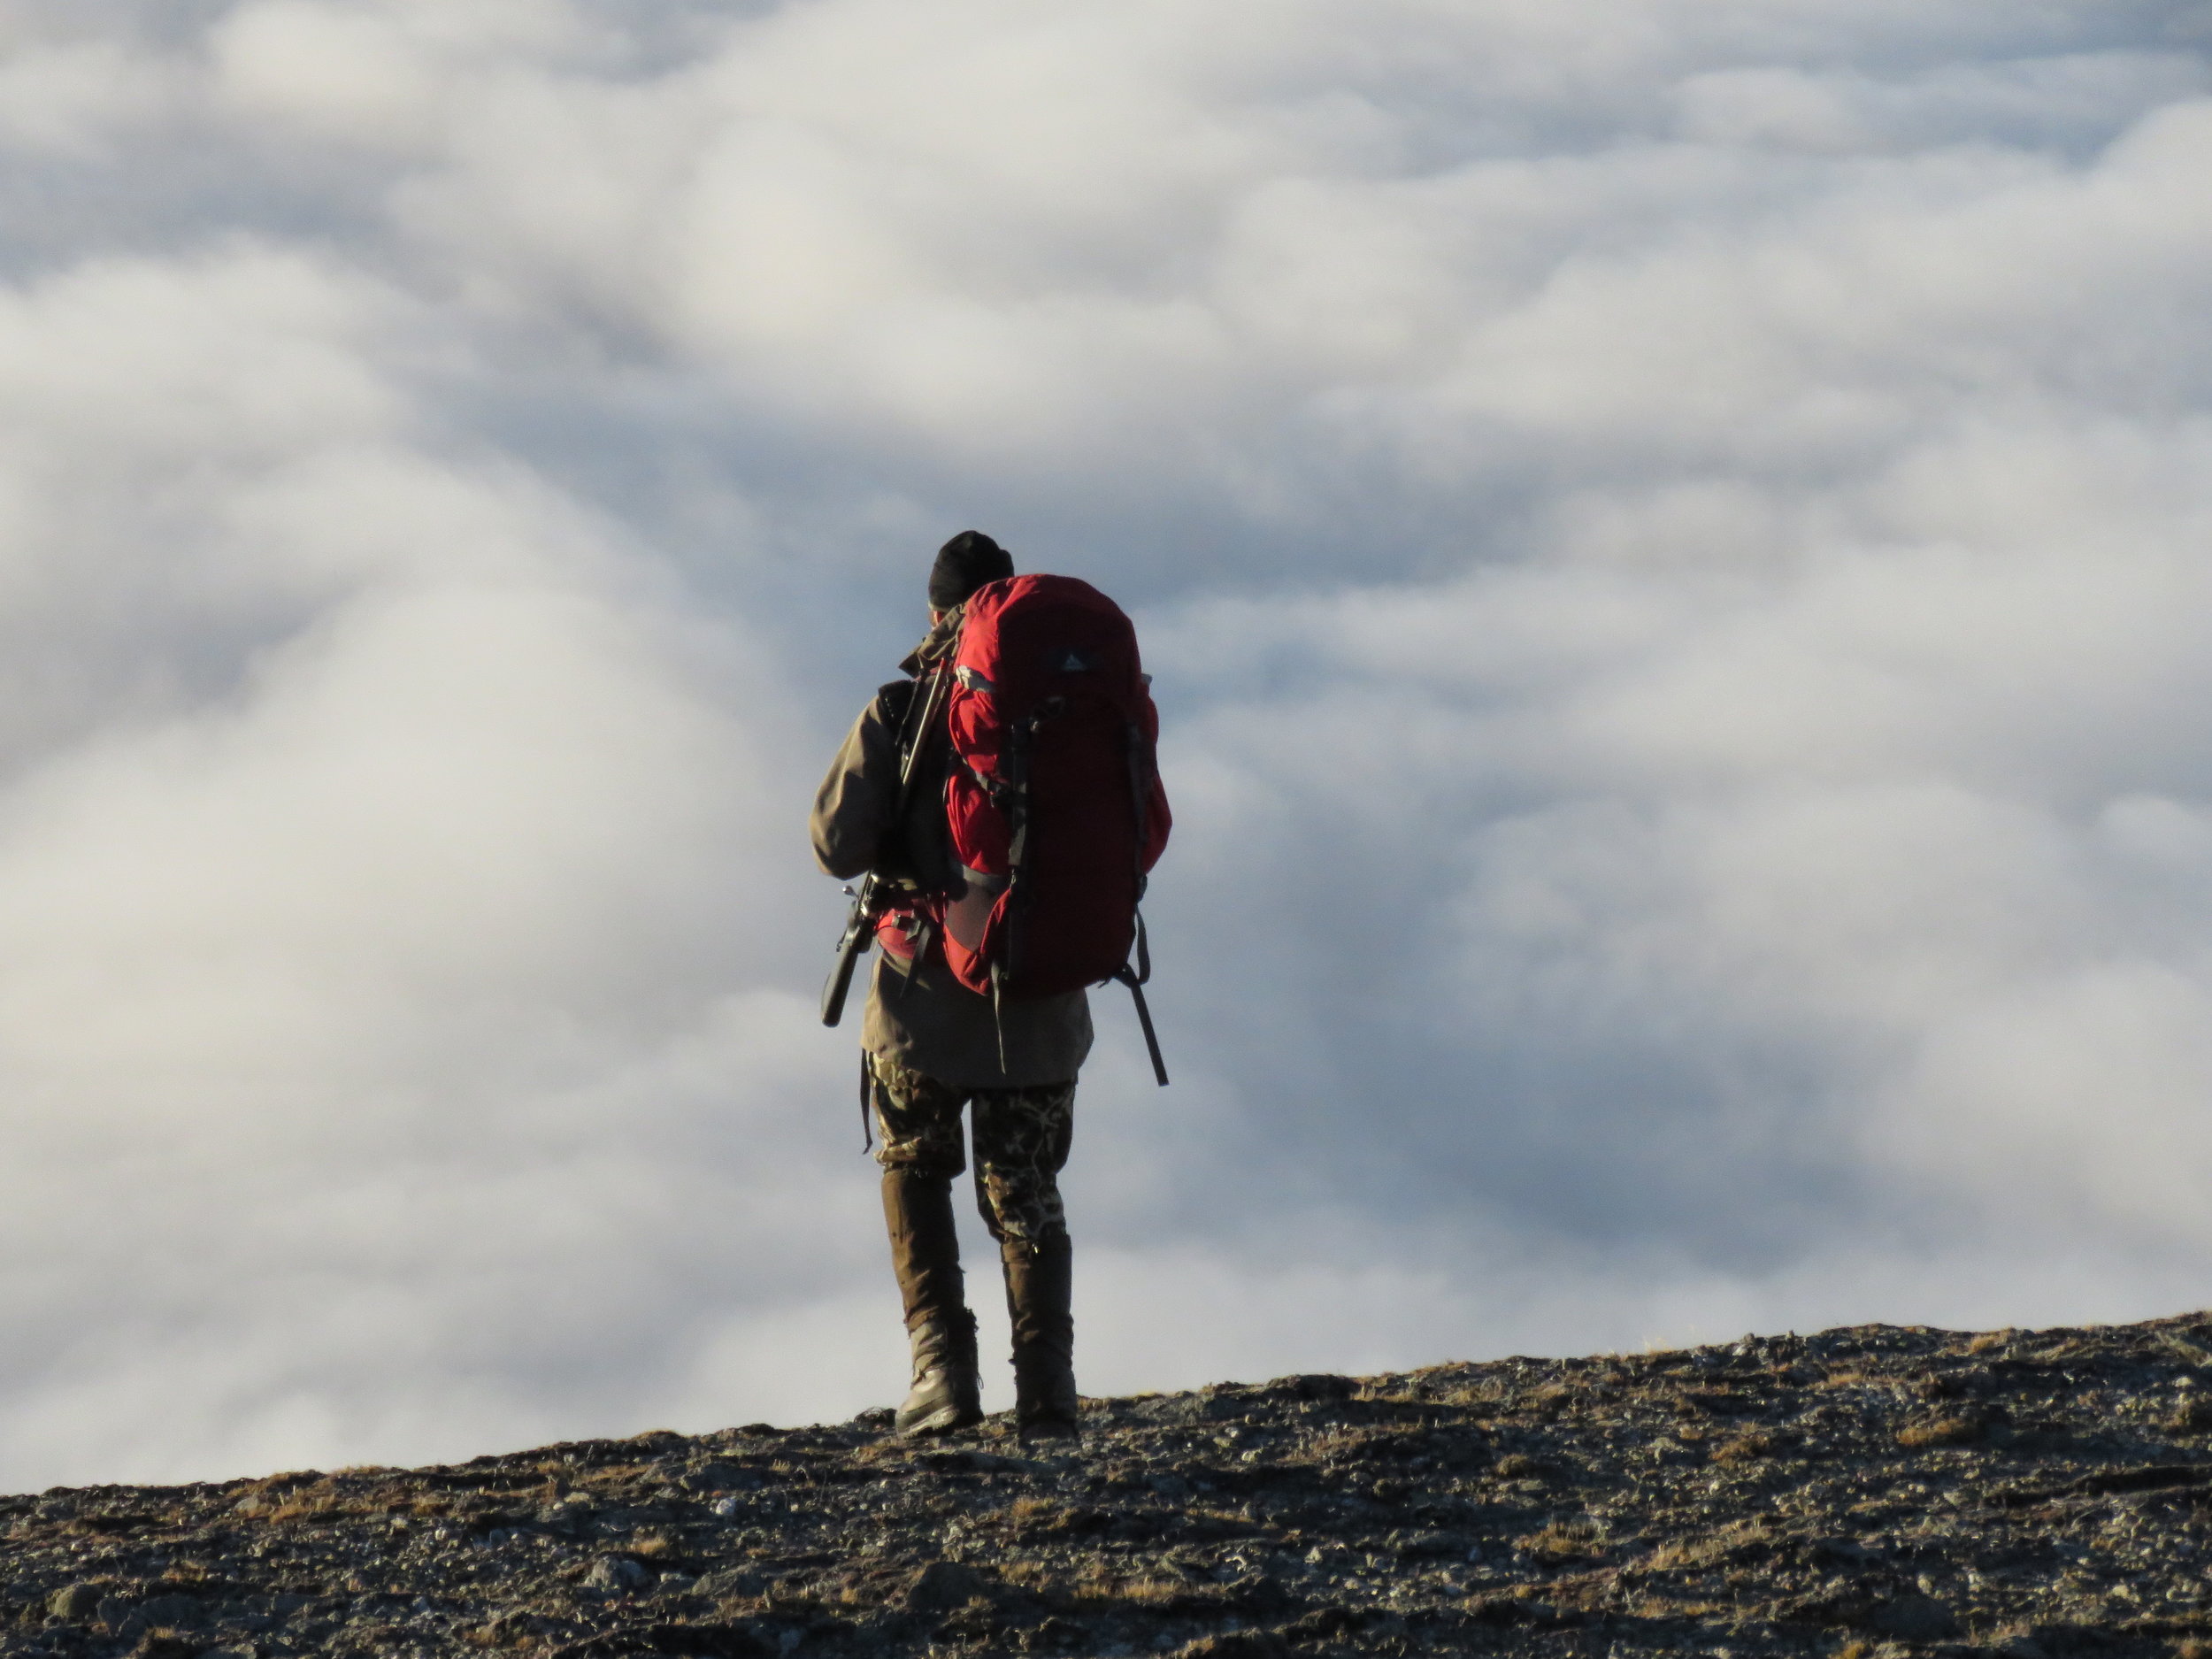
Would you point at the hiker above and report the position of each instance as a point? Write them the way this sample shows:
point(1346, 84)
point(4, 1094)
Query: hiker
point(976, 1000)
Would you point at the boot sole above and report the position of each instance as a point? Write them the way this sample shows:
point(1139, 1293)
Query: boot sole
point(942, 1421)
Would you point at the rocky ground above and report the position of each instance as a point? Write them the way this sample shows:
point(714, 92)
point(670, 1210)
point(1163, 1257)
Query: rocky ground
point(1868, 1494)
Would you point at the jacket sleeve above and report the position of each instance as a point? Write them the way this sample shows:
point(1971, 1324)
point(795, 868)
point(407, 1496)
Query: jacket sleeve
point(854, 807)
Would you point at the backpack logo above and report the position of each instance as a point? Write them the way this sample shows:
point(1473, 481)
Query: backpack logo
point(1067, 660)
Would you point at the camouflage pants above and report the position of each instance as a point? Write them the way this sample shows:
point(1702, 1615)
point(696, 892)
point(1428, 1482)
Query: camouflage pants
point(1021, 1144)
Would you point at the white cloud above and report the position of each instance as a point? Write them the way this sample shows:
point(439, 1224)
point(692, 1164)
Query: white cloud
point(67, 96)
point(1670, 535)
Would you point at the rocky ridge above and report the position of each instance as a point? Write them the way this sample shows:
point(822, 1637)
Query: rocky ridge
point(1870, 1493)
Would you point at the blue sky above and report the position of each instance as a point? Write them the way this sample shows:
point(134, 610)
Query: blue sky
point(1670, 537)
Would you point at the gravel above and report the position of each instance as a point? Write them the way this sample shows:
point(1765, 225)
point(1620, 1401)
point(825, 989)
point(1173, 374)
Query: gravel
point(1873, 1492)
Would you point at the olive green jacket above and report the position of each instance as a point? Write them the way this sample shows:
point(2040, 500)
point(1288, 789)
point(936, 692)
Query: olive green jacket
point(920, 1016)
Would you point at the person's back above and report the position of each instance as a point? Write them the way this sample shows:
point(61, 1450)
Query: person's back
point(933, 1046)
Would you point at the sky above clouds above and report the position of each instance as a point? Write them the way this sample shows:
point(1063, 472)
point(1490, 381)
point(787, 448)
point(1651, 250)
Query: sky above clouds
point(1672, 538)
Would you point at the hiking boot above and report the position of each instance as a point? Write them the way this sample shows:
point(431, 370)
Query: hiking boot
point(1045, 1407)
point(947, 1393)
point(1038, 1286)
point(925, 1255)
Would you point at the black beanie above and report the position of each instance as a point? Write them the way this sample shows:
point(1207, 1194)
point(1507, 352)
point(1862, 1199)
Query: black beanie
point(964, 565)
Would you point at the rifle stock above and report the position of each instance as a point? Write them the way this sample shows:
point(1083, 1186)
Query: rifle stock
point(850, 948)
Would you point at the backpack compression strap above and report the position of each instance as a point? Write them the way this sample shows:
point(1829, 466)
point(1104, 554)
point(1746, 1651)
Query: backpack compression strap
point(1135, 982)
point(1139, 796)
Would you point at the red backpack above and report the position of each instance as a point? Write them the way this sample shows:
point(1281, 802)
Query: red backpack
point(1052, 801)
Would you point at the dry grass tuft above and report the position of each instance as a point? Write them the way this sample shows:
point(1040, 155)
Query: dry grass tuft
point(1490, 1392)
point(1101, 1585)
point(1562, 1540)
point(309, 1503)
point(1691, 1553)
point(1989, 1340)
point(1652, 1604)
point(1952, 1431)
point(1747, 1447)
point(1148, 1592)
point(1517, 1466)
point(1686, 1554)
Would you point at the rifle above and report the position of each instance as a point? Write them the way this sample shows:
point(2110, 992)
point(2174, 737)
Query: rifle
point(860, 923)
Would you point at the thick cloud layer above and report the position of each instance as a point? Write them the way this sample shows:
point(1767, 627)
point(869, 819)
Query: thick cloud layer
point(1672, 538)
